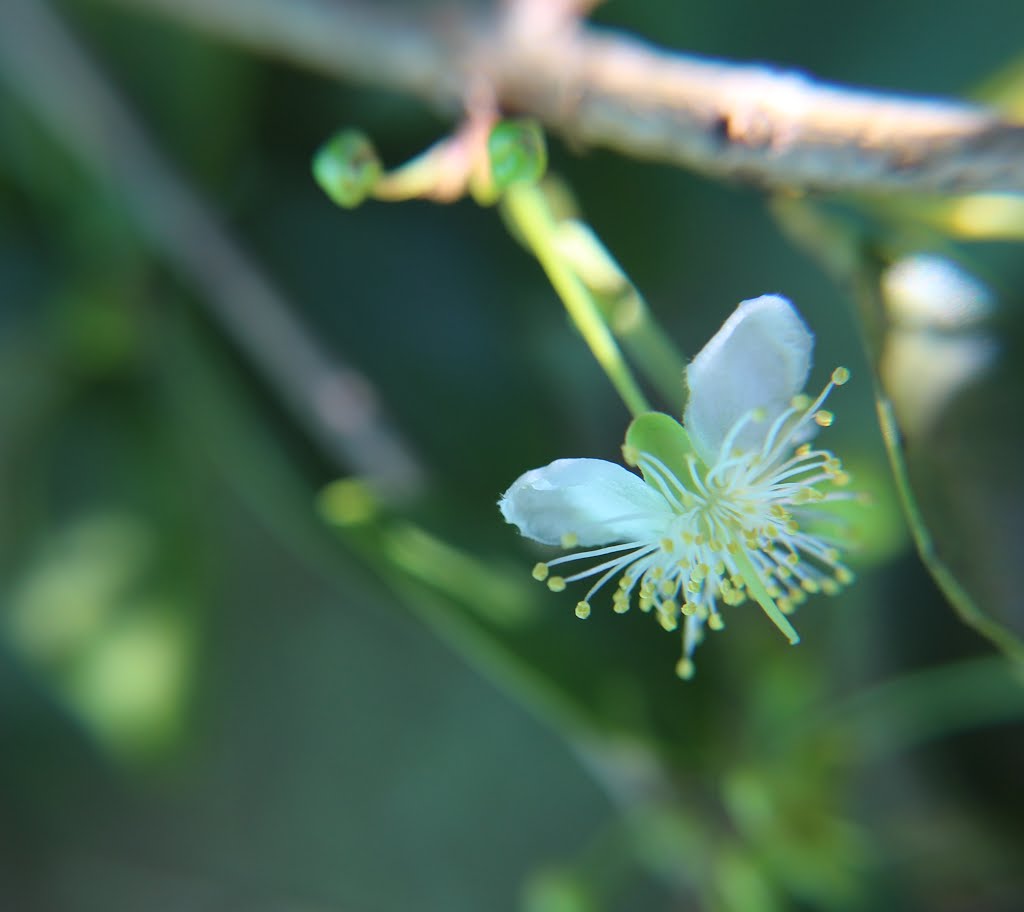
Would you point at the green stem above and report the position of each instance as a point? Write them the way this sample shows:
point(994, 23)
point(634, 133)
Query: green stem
point(527, 209)
point(625, 311)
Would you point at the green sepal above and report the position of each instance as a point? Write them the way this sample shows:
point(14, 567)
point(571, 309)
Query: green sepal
point(517, 153)
point(661, 436)
point(347, 168)
point(759, 593)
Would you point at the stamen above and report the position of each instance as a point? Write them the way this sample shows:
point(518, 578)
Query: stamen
point(776, 428)
point(668, 476)
point(586, 555)
point(756, 414)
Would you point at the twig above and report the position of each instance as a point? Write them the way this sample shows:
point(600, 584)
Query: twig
point(45, 66)
point(601, 87)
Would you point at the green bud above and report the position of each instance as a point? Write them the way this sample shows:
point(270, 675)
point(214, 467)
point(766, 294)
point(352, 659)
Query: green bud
point(347, 168)
point(517, 152)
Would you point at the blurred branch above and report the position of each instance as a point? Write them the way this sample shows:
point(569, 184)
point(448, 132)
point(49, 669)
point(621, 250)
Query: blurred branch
point(48, 70)
point(602, 87)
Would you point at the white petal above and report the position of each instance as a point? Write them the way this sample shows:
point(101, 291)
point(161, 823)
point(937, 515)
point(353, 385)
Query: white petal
point(760, 358)
point(596, 501)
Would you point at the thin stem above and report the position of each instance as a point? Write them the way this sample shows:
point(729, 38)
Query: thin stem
point(527, 210)
point(626, 312)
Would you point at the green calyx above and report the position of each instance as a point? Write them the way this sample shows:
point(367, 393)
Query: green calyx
point(661, 436)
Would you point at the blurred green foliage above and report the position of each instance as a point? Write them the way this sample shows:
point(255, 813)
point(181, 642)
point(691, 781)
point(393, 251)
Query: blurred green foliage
point(229, 680)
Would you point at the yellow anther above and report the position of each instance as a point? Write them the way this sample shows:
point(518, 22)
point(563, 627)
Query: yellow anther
point(783, 572)
point(667, 544)
point(556, 584)
point(668, 622)
point(668, 587)
point(803, 451)
point(630, 455)
point(718, 568)
point(540, 572)
point(800, 402)
point(737, 580)
point(785, 605)
point(829, 586)
point(685, 669)
point(792, 527)
point(620, 606)
point(582, 610)
point(715, 545)
point(626, 581)
point(792, 558)
point(687, 538)
point(824, 418)
point(699, 539)
point(732, 548)
point(758, 414)
point(715, 622)
point(693, 586)
point(570, 540)
point(841, 479)
point(844, 575)
point(808, 495)
point(832, 555)
point(810, 585)
point(840, 375)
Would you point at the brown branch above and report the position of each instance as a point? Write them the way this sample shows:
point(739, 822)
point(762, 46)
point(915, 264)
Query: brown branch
point(604, 88)
point(47, 69)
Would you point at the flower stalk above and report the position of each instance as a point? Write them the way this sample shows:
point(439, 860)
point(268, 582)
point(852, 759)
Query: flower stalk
point(529, 213)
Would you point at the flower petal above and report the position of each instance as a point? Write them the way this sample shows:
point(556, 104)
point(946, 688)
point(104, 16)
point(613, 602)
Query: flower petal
point(591, 500)
point(760, 358)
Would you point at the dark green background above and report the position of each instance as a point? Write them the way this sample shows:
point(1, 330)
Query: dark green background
point(325, 749)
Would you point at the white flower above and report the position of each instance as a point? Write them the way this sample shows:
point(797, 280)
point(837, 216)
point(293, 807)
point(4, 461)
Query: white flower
point(725, 508)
